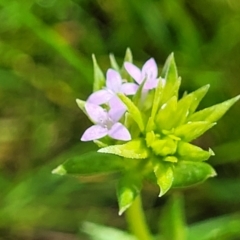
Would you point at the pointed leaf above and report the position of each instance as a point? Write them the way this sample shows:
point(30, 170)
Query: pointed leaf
point(127, 190)
point(190, 152)
point(133, 149)
point(133, 110)
point(113, 62)
point(157, 97)
point(169, 73)
point(90, 163)
point(164, 174)
point(187, 173)
point(182, 111)
point(81, 105)
point(192, 130)
point(197, 97)
point(127, 58)
point(99, 79)
point(214, 113)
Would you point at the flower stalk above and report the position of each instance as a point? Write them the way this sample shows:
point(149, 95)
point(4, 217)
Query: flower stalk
point(136, 220)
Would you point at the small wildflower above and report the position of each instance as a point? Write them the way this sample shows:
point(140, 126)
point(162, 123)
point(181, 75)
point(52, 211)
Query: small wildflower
point(106, 123)
point(149, 73)
point(114, 85)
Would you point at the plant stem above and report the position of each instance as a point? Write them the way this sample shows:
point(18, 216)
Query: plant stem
point(136, 220)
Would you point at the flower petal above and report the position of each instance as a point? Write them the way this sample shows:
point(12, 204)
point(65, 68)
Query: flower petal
point(129, 88)
point(150, 69)
point(114, 80)
point(117, 109)
point(100, 97)
point(119, 132)
point(93, 133)
point(151, 83)
point(96, 113)
point(133, 71)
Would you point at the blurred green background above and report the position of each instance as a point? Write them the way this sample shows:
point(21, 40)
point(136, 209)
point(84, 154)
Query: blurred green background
point(45, 64)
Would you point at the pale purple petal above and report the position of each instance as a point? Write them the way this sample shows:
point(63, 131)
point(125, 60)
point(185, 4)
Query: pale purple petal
point(150, 69)
point(113, 81)
point(119, 132)
point(93, 133)
point(129, 88)
point(150, 84)
point(96, 113)
point(100, 97)
point(134, 72)
point(117, 109)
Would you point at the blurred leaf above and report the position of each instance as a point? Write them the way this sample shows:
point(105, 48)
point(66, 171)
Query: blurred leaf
point(90, 163)
point(224, 228)
point(113, 62)
point(226, 153)
point(99, 79)
point(187, 173)
point(99, 232)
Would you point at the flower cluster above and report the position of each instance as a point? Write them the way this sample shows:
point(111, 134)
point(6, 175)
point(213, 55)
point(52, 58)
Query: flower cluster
point(145, 128)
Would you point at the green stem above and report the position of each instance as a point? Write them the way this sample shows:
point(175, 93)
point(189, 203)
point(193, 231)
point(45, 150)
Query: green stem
point(136, 220)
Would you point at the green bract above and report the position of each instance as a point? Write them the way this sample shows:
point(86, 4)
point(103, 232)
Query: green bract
point(161, 126)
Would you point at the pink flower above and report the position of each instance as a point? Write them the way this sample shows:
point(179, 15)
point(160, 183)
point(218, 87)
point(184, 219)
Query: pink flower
point(106, 123)
point(148, 72)
point(114, 85)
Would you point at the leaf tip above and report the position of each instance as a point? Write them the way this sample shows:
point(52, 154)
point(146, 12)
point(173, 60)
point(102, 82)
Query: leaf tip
point(123, 209)
point(60, 170)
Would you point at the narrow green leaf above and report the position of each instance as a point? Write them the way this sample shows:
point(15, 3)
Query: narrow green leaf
point(113, 62)
point(213, 113)
point(127, 190)
point(99, 79)
point(198, 95)
point(187, 173)
point(164, 174)
point(133, 149)
point(192, 130)
point(188, 104)
point(155, 105)
point(190, 152)
point(90, 163)
point(81, 104)
point(127, 58)
point(182, 110)
point(133, 110)
point(169, 73)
